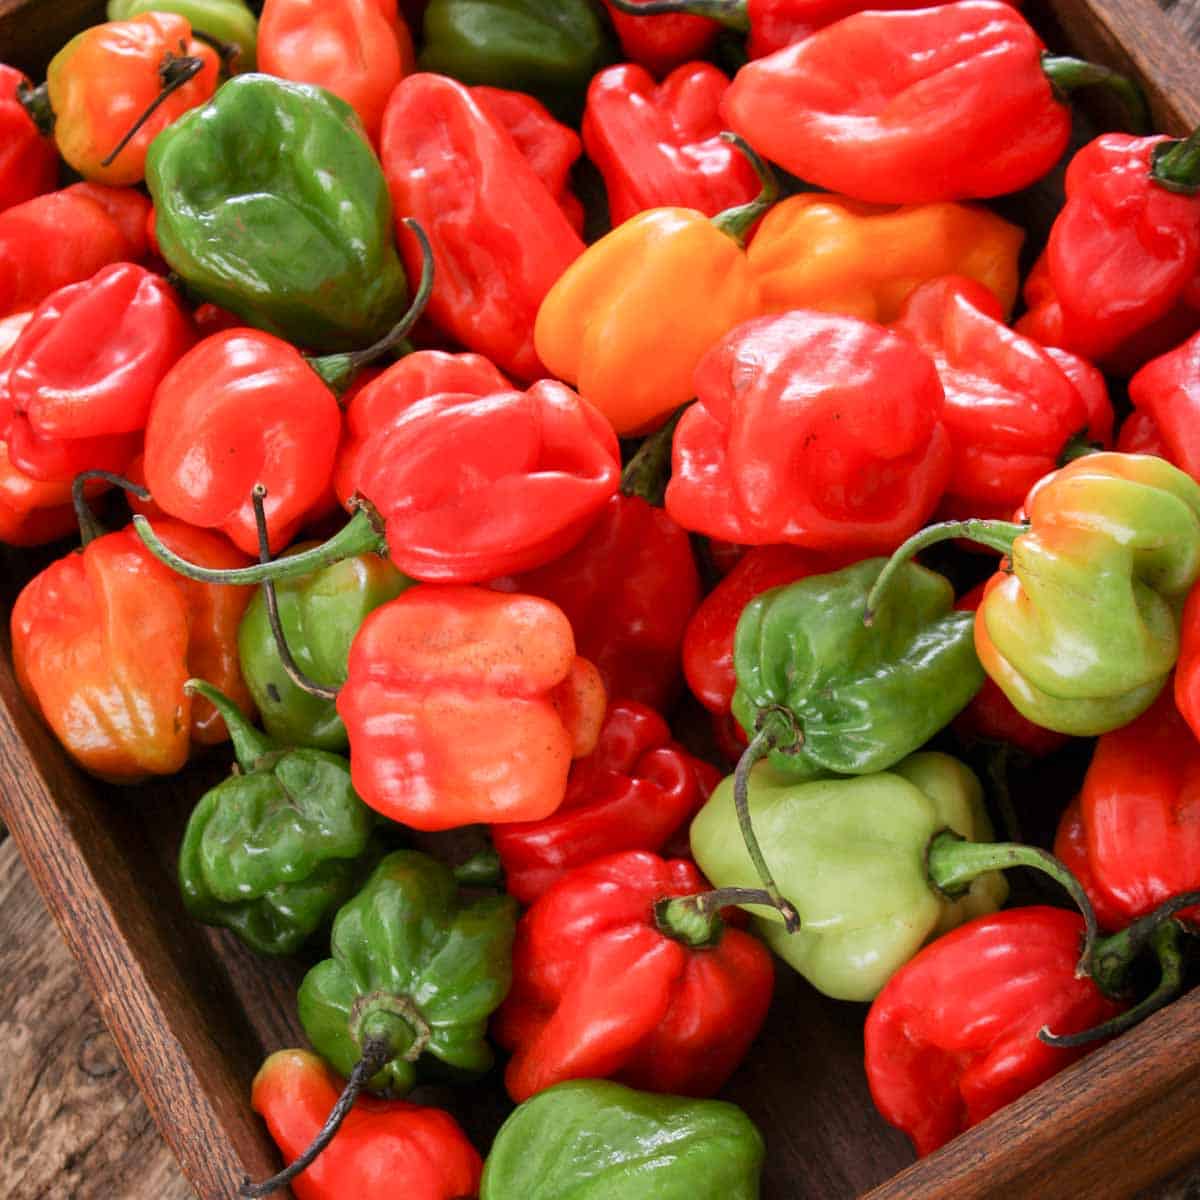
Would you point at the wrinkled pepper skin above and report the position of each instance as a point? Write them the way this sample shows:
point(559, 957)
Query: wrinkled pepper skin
point(633, 792)
point(662, 43)
point(863, 697)
point(949, 103)
point(357, 49)
point(32, 512)
point(414, 964)
point(382, 1144)
point(1166, 416)
point(65, 237)
point(106, 76)
point(602, 990)
point(814, 429)
point(296, 239)
point(600, 1139)
point(229, 21)
point(1133, 828)
point(849, 854)
point(320, 614)
point(863, 260)
point(466, 706)
point(500, 239)
point(657, 145)
point(275, 849)
point(1123, 532)
point(104, 640)
point(28, 159)
point(953, 1035)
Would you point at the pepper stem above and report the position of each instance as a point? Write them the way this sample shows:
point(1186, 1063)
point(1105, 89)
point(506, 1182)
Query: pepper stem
point(291, 668)
point(733, 14)
point(761, 744)
point(999, 535)
point(36, 102)
point(736, 221)
point(250, 746)
point(1175, 165)
point(338, 370)
point(696, 920)
point(90, 527)
point(951, 863)
point(174, 72)
point(1113, 955)
point(647, 472)
point(1066, 74)
point(362, 534)
point(1077, 446)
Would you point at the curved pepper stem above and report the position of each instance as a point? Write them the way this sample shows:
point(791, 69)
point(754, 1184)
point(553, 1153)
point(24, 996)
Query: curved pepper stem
point(736, 221)
point(733, 14)
point(647, 472)
point(696, 920)
point(999, 535)
point(90, 527)
point(174, 71)
point(769, 737)
point(36, 102)
point(951, 863)
point(1066, 74)
point(250, 746)
point(338, 371)
point(1175, 165)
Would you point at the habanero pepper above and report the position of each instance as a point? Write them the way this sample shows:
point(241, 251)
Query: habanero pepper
point(28, 157)
point(229, 21)
point(661, 43)
point(1166, 416)
point(32, 512)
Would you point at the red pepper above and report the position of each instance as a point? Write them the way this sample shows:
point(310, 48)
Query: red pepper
point(1187, 669)
point(608, 983)
point(65, 237)
point(466, 706)
point(633, 792)
point(77, 386)
point(662, 43)
point(1011, 411)
point(356, 49)
point(814, 429)
point(660, 145)
point(33, 512)
point(953, 1035)
point(28, 160)
point(384, 1148)
point(500, 240)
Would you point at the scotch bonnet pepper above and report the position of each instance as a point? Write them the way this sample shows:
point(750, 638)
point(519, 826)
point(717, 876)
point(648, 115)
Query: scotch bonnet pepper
point(28, 158)
point(229, 21)
point(661, 43)
point(1166, 416)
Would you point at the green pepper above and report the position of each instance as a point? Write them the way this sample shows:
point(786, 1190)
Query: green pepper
point(270, 202)
point(594, 1140)
point(320, 614)
point(414, 976)
point(228, 21)
point(875, 865)
point(550, 50)
point(273, 851)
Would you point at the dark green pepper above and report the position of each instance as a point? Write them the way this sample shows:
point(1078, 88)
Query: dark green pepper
point(603, 1141)
point(273, 851)
point(320, 614)
point(228, 21)
point(270, 202)
point(549, 49)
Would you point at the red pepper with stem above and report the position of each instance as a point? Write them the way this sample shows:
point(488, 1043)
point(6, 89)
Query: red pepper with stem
point(661, 43)
point(624, 971)
point(635, 791)
point(948, 103)
point(659, 144)
point(1166, 416)
point(28, 159)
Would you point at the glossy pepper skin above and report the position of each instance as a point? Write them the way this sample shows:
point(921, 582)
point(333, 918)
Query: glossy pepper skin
point(500, 239)
point(657, 145)
point(466, 706)
point(357, 49)
point(320, 614)
point(78, 384)
point(612, 1142)
point(382, 1144)
point(850, 855)
point(273, 850)
point(662, 43)
point(104, 640)
point(633, 792)
point(65, 237)
point(835, 254)
point(1166, 416)
point(852, 689)
point(229, 21)
point(241, 408)
point(104, 77)
point(296, 239)
point(32, 512)
point(949, 103)
point(604, 988)
point(814, 429)
point(414, 965)
point(28, 158)
point(953, 1035)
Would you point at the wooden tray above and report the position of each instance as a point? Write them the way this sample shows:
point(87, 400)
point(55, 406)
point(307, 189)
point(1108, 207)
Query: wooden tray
point(194, 1013)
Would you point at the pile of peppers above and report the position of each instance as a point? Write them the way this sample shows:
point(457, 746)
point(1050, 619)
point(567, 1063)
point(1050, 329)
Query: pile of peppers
point(606, 471)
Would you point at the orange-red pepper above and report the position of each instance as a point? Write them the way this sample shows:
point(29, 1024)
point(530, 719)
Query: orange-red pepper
point(28, 159)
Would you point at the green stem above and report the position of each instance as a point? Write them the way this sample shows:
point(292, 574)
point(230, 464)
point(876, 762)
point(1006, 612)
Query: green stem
point(647, 472)
point(736, 222)
point(339, 370)
point(952, 863)
point(90, 527)
point(733, 14)
point(250, 746)
point(174, 72)
point(1114, 955)
point(1066, 74)
point(1175, 165)
point(36, 102)
point(999, 535)
point(696, 920)
point(1077, 446)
